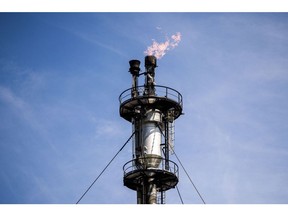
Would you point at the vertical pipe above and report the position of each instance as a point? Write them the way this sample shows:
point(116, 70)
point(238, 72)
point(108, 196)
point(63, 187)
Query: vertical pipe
point(152, 192)
point(137, 129)
point(166, 146)
point(150, 65)
point(134, 91)
point(139, 196)
point(134, 70)
point(162, 196)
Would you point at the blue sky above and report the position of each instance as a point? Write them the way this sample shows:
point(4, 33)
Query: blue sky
point(60, 78)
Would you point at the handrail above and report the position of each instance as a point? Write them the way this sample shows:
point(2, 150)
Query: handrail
point(161, 91)
point(133, 165)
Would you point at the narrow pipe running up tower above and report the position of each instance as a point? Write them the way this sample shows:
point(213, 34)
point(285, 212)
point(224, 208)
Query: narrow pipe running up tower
point(152, 110)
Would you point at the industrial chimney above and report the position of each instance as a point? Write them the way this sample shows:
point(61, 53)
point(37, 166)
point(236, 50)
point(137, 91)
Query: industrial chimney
point(152, 110)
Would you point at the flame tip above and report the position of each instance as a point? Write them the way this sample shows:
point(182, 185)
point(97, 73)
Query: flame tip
point(159, 49)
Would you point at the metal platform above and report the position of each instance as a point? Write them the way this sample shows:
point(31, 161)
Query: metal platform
point(166, 175)
point(165, 99)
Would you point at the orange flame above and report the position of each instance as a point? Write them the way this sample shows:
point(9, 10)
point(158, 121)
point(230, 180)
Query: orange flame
point(160, 49)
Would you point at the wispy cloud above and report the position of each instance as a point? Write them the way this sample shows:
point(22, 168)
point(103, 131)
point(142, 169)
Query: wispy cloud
point(24, 111)
point(11, 99)
point(93, 39)
point(107, 128)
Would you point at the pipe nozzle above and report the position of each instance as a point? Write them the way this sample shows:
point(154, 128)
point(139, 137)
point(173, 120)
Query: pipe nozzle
point(134, 67)
point(150, 61)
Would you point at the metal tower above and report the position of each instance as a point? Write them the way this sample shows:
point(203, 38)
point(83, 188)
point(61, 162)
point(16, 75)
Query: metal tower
point(152, 110)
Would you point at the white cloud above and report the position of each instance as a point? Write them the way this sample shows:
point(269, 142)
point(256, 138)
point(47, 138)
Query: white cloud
point(8, 97)
point(25, 112)
point(92, 38)
point(108, 128)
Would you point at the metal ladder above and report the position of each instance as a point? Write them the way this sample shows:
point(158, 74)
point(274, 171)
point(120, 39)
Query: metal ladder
point(171, 126)
point(161, 197)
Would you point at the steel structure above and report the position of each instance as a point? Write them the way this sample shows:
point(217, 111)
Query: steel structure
point(152, 110)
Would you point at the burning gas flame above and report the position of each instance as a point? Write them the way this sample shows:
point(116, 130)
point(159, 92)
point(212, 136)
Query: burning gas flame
point(160, 49)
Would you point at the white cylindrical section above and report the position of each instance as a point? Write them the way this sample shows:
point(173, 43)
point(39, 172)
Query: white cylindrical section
point(151, 138)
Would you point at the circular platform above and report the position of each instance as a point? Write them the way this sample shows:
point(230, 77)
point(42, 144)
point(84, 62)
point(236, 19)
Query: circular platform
point(164, 180)
point(165, 99)
point(135, 176)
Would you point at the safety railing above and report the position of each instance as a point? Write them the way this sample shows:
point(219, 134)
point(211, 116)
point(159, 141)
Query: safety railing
point(165, 165)
point(160, 91)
